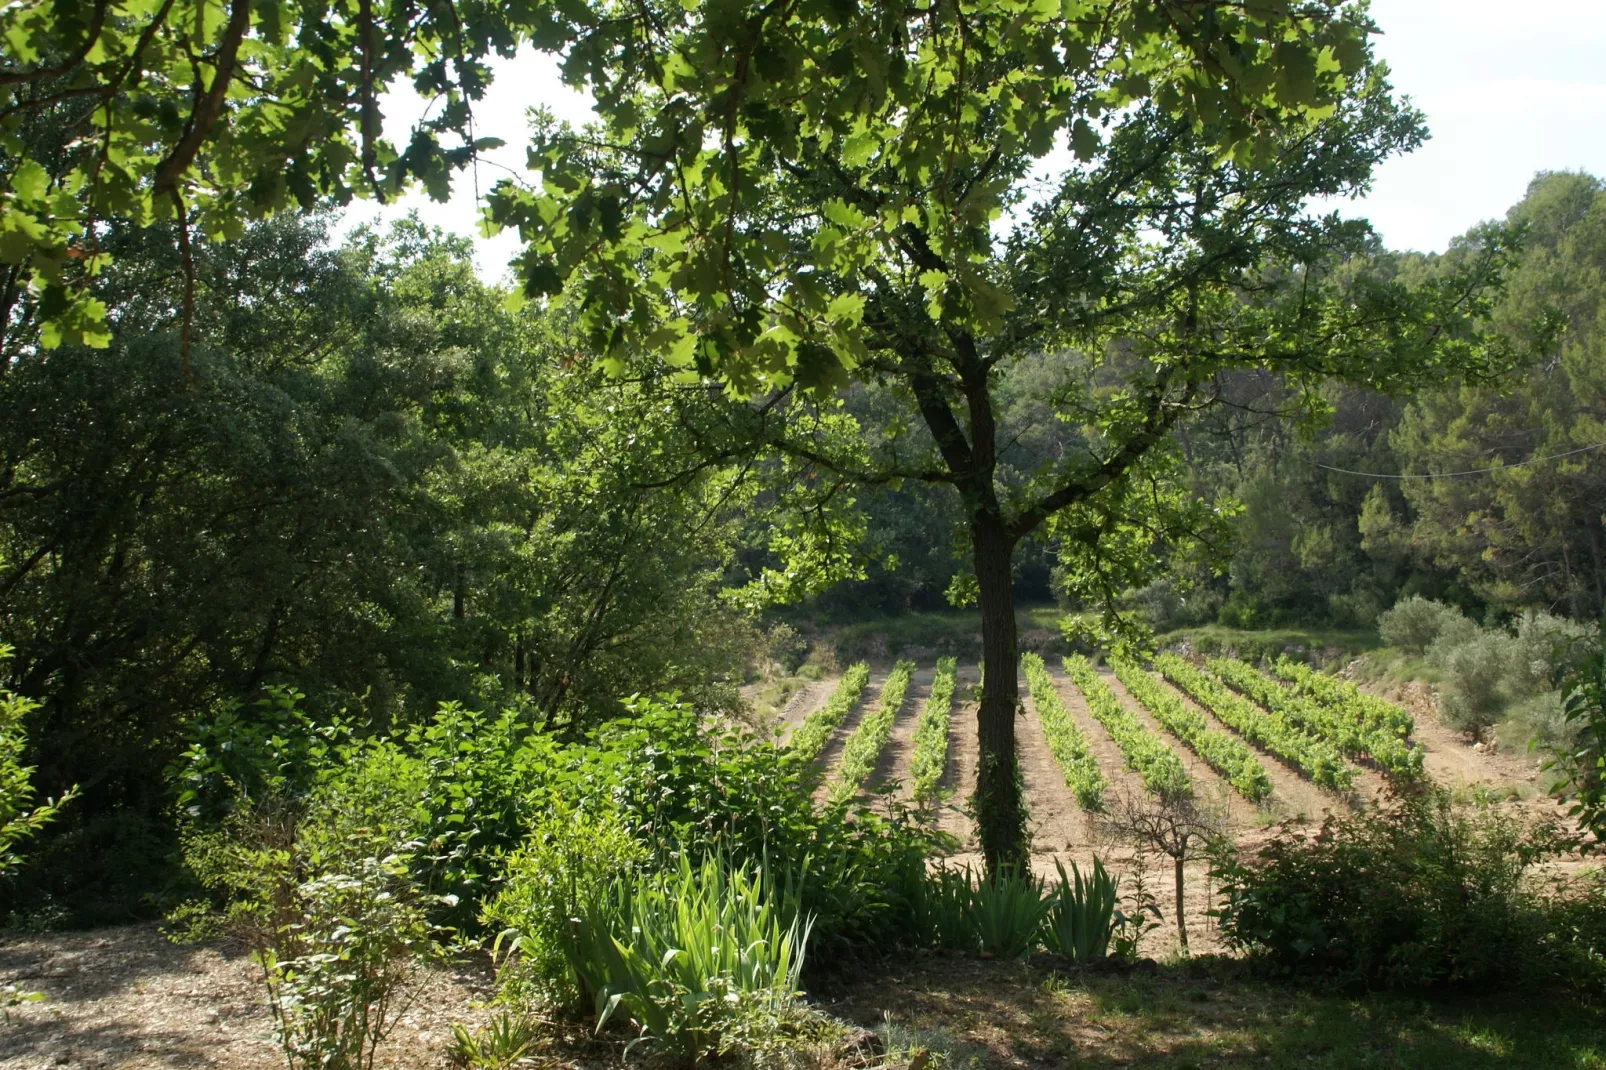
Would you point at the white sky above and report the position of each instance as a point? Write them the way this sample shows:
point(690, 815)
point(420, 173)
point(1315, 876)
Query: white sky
point(1509, 90)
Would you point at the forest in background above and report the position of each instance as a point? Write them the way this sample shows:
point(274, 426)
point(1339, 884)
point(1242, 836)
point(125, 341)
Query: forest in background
point(1486, 497)
point(384, 483)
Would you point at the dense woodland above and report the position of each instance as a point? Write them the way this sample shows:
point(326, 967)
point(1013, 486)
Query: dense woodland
point(339, 582)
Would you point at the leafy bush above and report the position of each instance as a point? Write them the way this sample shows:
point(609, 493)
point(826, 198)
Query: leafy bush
point(863, 748)
point(683, 784)
point(1313, 757)
point(570, 859)
point(1410, 895)
point(1351, 736)
point(1416, 622)
point(322, 888)
point(19, 817)
point(930, 747)
point(1065, 740)
point(817, 727)
point(687, 953)
point(1228, 756)
point(1477, 681)
point(1144, 753)
point(337, 967)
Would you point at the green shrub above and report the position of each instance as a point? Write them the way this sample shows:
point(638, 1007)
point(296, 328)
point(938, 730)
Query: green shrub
point(1007, 911)
point(939, 909)
point(19, 817)
point(322, 887)
point(685, 784)
point(1478, 680)
point(570, 859)
point(1416, 622)
point(1414, 894)
point(1081, 914)
point(957, 909)
point(686, 954)
point(337, 965)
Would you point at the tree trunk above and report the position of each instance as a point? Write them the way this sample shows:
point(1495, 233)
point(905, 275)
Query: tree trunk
point(998, 806)
point(1182, 918)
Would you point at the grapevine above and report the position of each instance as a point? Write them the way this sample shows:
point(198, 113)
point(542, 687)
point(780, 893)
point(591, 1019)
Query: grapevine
point(1065, 740)
point(1227, 755)
point(1144, 752)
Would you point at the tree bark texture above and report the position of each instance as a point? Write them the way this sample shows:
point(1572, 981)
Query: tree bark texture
point(998, 804)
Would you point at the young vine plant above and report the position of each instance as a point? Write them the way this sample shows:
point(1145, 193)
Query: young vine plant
point(818, 726)
point(1351, 736)
point(1065, 741)
point(864, 746)
point(931, 734)
point(1227, 755)
point(1345, 699)
point(1273, 732)
point(1144, 752)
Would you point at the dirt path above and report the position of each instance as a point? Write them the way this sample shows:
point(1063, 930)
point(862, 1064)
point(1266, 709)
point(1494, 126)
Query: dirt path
point(127, 998)
point(959, 776)
point(899, 751)
point(809, 697)
point(1058, 823)
point(1447, 755)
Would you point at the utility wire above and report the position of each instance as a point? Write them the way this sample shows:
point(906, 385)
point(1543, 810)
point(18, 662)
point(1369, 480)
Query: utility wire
point(1469, 472)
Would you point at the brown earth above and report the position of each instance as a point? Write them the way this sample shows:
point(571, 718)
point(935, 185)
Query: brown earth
point(128, 998)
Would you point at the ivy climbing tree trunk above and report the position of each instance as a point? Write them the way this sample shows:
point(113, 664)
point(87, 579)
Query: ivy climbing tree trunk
point(998, 804)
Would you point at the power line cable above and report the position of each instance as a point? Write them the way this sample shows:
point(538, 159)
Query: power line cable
point(1469, 472)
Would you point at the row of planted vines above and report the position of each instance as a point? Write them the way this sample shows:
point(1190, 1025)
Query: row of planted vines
point(1274, 733)
point(863, 748)
point(1065, 740)
point(818, 726)
point(1353, 736)
point(1312, 722)
point(930, 751)
point(1345, 699)
point(1227, 755)
point(1144, 753)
